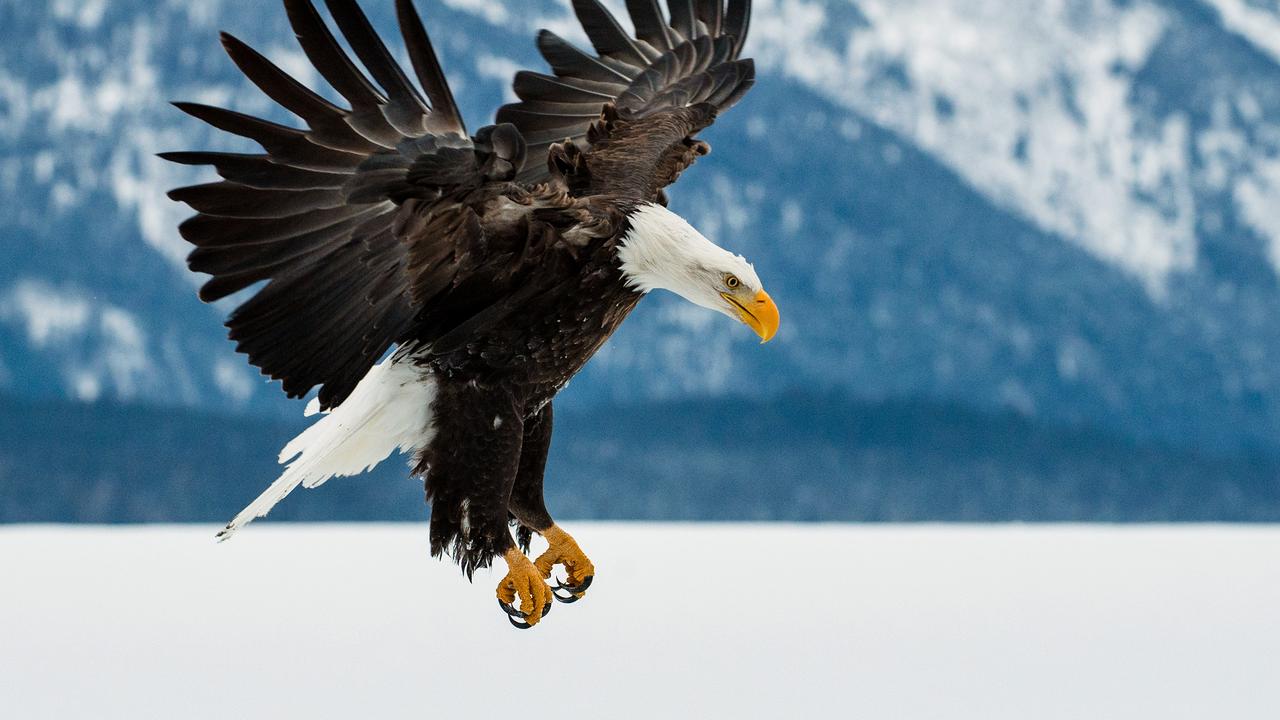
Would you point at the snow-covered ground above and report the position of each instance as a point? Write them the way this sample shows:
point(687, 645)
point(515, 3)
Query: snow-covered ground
point(708, 621)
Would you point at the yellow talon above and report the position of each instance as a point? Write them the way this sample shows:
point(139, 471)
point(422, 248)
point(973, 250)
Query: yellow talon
point(564, 550)
point(524, 580)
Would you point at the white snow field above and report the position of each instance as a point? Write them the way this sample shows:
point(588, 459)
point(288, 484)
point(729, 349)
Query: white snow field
point(701, 621)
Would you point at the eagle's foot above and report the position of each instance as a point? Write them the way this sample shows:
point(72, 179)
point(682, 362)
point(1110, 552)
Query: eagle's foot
point(523, 580)
point(564, 550)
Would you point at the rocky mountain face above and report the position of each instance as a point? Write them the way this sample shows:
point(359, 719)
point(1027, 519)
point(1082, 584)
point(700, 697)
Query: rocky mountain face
point(1068, 210)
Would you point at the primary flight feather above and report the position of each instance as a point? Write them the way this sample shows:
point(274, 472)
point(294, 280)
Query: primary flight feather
point(440, 288)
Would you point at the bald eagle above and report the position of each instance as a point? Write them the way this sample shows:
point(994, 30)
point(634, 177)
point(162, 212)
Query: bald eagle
point(441, 288)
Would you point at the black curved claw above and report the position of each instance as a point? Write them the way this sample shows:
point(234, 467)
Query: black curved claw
point(575, 591)
point(566, 599)
point(510, 610)
point(513, 613)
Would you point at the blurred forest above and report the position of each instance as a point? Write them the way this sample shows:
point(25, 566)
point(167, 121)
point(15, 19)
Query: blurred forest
point(801, 458)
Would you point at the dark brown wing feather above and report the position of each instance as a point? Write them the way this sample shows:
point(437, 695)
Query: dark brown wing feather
point(445, 116)
point(669, 68)
point(317, 215)
point(650, 26)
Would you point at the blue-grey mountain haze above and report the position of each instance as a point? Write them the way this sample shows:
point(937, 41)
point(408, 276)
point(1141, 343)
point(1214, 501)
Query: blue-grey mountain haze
point(1026, 258)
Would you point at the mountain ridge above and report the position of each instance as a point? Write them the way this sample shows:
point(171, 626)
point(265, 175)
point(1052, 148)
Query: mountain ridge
point(898, 271)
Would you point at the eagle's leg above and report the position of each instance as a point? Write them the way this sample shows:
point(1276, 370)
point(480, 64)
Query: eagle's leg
point(470, 468)
point(528, 507)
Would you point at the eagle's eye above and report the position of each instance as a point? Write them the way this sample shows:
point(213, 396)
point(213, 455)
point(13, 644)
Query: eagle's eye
point(732, 281)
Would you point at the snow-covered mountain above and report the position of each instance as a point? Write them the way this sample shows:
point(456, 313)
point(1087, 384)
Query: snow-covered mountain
point(1069, 208)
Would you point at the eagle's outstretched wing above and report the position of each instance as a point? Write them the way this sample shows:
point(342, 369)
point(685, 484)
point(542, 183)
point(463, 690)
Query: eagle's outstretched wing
point(322, 214)
point(622, 121)
point(364, 225)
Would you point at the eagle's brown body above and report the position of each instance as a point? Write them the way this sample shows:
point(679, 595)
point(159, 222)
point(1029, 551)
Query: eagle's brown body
point(501, 369)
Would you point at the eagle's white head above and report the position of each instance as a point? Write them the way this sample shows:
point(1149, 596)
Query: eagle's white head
point(662, 251)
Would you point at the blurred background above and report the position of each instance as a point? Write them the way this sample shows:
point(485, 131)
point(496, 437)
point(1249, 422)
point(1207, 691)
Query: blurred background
point(1027, 255)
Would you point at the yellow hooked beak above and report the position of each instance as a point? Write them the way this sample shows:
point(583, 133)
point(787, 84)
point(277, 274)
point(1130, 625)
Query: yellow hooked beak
point(758, 313)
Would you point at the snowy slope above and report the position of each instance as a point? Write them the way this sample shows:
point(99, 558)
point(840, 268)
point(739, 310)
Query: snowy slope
point(732, 621)
point(1063, 208)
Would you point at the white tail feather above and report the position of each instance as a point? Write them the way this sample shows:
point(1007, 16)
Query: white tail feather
point(389, 410)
